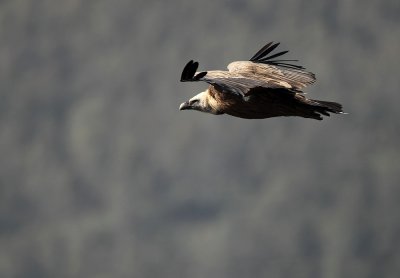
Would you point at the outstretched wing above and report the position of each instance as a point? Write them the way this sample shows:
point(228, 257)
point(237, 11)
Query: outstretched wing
point(224, 81)
point(280, 72)
point(260, 71)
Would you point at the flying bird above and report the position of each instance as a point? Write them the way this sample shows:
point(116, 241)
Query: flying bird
point(262, 87)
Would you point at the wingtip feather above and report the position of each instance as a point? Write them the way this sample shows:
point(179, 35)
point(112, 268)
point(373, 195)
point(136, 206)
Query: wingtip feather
point(189, 72)
point(261, 57)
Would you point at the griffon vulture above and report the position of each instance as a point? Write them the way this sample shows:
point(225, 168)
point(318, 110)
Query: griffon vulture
point(256, 89)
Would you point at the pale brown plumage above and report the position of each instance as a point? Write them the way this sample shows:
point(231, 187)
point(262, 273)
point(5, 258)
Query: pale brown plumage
point(257, 89)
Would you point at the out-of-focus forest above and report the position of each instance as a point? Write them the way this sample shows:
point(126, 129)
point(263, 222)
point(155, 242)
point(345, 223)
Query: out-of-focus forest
point(102, 176)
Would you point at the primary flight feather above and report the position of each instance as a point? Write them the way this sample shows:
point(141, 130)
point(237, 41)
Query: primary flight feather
point(256, 89)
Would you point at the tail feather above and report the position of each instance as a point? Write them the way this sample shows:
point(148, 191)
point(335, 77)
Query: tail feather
point(331, 106)
point(326, 107)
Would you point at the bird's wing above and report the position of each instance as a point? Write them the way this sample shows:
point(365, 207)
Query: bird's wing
point(278, 72)
point(225, 81)
point(285, 78)
point(261, 71)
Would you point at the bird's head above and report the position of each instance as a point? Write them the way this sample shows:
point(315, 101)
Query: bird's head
point(195, 103)
point(199, 102)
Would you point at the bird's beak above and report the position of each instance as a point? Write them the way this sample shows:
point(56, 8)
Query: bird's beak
point(185, 106)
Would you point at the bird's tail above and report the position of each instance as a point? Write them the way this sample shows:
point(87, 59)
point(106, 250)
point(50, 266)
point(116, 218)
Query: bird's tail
point(325, 107)
point(330, 106)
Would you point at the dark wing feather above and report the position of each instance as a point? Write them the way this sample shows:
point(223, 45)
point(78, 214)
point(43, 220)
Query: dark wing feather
point(189, 72)
point(263, 51)
point(260, 57)
point(277, 55)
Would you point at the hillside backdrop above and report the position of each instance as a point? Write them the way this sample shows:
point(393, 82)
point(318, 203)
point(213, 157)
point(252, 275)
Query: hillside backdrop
point(102, 176)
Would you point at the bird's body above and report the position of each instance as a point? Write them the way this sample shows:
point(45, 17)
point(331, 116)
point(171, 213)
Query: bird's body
point(257, 89)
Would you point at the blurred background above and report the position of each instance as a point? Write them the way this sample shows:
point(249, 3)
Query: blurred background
point(102, 176)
